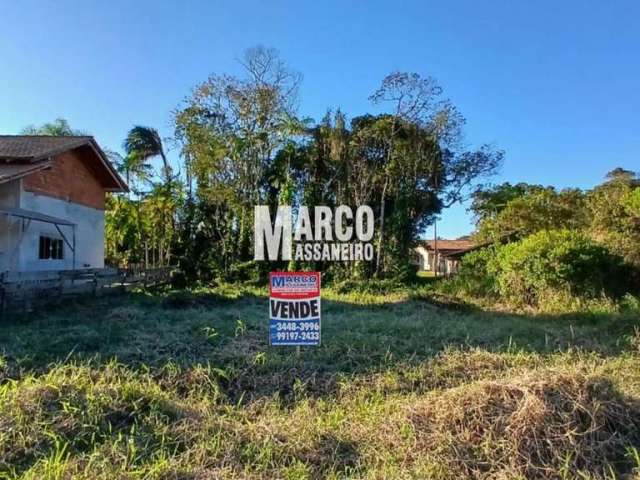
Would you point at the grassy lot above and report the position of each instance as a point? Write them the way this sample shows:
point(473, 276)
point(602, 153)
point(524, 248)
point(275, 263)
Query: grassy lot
point(184, 385)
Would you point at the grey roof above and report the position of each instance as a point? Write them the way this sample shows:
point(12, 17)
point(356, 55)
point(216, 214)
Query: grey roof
point(31, 215)
point(35, 147)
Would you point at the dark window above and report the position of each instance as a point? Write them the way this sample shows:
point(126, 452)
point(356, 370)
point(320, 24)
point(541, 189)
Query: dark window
point(50, 249)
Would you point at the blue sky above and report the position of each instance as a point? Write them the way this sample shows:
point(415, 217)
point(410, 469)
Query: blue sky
point(554, 84)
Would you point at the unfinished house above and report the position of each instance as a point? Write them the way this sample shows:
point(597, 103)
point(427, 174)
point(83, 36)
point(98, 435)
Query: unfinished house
point(52, 202)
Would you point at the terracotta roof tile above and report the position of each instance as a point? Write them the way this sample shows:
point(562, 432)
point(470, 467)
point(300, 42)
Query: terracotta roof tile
point(35, 147)
point(450, 244)
point(31, 149)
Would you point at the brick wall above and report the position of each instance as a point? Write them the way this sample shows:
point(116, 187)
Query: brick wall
point(68, 179)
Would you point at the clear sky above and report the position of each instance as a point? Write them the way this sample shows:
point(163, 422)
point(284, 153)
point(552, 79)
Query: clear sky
point(554, 84)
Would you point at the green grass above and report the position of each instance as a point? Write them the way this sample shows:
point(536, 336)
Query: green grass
point(426, 274)
point(184, 385)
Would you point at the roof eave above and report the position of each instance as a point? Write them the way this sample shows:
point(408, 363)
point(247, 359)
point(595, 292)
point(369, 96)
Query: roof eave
point(19, 175)
point(72, 144)
point(122, 185)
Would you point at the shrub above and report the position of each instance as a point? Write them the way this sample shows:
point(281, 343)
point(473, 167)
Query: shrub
point(558, 262)
point(477, 273)
point(179, 280)
point(244, 272)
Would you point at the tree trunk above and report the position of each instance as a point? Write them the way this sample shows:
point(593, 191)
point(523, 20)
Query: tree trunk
point(166, 168)
point(142, 239)
point(381, 236)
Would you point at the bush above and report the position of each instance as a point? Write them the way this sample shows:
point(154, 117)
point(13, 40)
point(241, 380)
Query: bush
point(244, 272)
point(179, 280)
point(477, 273)
point(558, 262)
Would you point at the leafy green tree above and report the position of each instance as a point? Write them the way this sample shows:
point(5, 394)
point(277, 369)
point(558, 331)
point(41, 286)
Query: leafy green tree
point(122, 231)
point(243, 144)
point(537, 210)
point(150, 234)
point(615, 216)
point(59, 128)
point(421, 117)
point(489, 202)
point(232, 131)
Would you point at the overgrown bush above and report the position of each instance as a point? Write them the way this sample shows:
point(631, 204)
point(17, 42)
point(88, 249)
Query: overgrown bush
point(245, 272)
point(559, 267)
point(558, 262)
point(477, 273)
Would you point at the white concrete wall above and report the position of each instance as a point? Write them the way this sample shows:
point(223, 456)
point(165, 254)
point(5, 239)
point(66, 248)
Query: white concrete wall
point(89, 234)
point(10, 227)
point(424, 258)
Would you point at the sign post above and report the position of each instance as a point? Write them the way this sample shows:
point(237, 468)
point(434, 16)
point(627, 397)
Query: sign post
point(294, 308)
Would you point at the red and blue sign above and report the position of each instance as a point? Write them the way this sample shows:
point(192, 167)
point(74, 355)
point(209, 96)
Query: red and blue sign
point(294, 308)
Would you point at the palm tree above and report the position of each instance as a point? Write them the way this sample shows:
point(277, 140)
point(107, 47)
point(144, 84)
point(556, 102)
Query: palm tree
point(135, 169)
point(144, 143)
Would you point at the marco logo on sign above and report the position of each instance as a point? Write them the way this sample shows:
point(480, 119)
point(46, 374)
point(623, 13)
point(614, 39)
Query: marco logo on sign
point(327, 235)
point(294, 308)
point(292, 281)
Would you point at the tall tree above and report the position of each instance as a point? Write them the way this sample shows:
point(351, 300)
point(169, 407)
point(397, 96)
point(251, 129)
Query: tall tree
point(157, 208)
point(243, 144)
point(416, 104)
point(231, 131)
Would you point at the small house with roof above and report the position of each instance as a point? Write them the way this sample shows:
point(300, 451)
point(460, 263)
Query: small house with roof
point(52, 202)
point(442, 256)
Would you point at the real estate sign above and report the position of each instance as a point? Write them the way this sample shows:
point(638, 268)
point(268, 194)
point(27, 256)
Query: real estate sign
point(294, 308)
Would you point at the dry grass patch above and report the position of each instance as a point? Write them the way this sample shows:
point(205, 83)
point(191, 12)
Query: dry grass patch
point(545, 424)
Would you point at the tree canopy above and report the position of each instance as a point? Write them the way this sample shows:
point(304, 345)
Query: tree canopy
point(244, 143)
point(59, 127)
